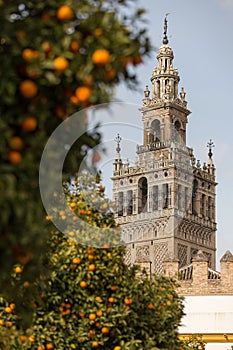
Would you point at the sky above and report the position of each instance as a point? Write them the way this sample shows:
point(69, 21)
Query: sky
point(200, 34)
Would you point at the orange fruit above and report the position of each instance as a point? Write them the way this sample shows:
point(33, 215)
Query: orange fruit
point(28, 55)
point(98, 298)
point(90, 251)
point(74, 46)
point(95, 344)
point(26, 284)
point(83, 284)
point(90, 257)
point(92, 267)
point(28, 88)
point(128, 301)
point(32, 338)
point(29, 124)
point(73, 205)
point(89, 212)
point(40, 348)
point(114, 288)
point(168, 302)
point(150, 306)
point(46, 46)
point(12, 306)
point(61, 63)
point(101, 57)
point(76, 261)
point(49, 346)
point(8, 310)
point(14, 157)
point(105, 330)
point(83, 93)
point(117, 348)
point(98, 32)
point(2, 323)
point(92, 317)
point(65, 13)
point(111, 300)
point(18, 269)
point(99, 313)
point(16, 143)
point(9, 324)
point(74, 99)
point(23, 338)
point(111, 73)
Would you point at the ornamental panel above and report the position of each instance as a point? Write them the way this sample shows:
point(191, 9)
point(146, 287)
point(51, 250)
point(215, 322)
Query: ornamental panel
point(160, 254)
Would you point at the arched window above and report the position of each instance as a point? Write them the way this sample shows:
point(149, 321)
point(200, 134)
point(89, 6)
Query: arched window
point(142, 195)
point(129, 202)
point(155, 198)
point(202, 209)
point(194, 197)
point(120, 204)
point(165, 196)
point(155, 125)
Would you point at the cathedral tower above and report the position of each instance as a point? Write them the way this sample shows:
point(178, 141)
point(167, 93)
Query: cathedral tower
point(165, 202)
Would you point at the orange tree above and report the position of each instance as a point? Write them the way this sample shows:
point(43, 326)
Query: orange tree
point(57, 57)
point(91, 299)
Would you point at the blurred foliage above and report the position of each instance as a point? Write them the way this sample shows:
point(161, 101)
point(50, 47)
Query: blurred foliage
point(194, 342)
point(57, 57)
point(90, 298)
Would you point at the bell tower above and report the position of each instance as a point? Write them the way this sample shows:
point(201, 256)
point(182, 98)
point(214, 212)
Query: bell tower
point(165, 202)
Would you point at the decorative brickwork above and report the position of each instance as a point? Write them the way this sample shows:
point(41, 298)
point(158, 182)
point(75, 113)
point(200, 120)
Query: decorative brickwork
point(182, 254)
point(160, 254)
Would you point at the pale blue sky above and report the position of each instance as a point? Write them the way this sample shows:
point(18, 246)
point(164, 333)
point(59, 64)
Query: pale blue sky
point(200, 34)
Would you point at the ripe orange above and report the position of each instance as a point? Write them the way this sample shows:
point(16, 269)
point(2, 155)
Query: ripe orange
point(92, 267)
point(105, 330)
point(23, 338)
point(83, 284)
point(83, 93)
point(101, 57)
point(98, 298)
point(8, 310)
point(28, 88)
point(81, 314)
point(168, 302)
point(74, 99)
point(12, 306)
point(46, 46)
point(114, 288)
point(29, 124)
point(90, 257)
point(40, 348)
point(26, 284)
point(2, 323)
point(111, 300)
point(32, 338)
point(65, 13)
point(9, 324)
point(92, 317)
point(117, 348)
point(76, 261)
point(49, 346)
point(95, 344)
point(128, 301)
point(89, 212)
point(60, 63)
point(150, 306)
point(73, 205)
point(14, 157)
point(111, 73)
point(28, 55)
point(18, 269)
point(98, 32)
point(74, 46)
point(16, 143)
point(99, 313)
point(90, 251)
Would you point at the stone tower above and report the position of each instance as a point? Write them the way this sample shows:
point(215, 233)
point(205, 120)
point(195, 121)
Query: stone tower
point(165, 202)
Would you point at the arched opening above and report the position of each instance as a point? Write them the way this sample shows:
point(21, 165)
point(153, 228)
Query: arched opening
point(142, 195)
point(155, 126)
point(165, 196)
point(129, 208)
point(155, 198)
point(202, 211)
point(120, 204)
point(194, 197)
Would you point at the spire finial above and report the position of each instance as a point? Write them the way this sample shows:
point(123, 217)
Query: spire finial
point(210, 145)
point(118, 141)
point(165, 39)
